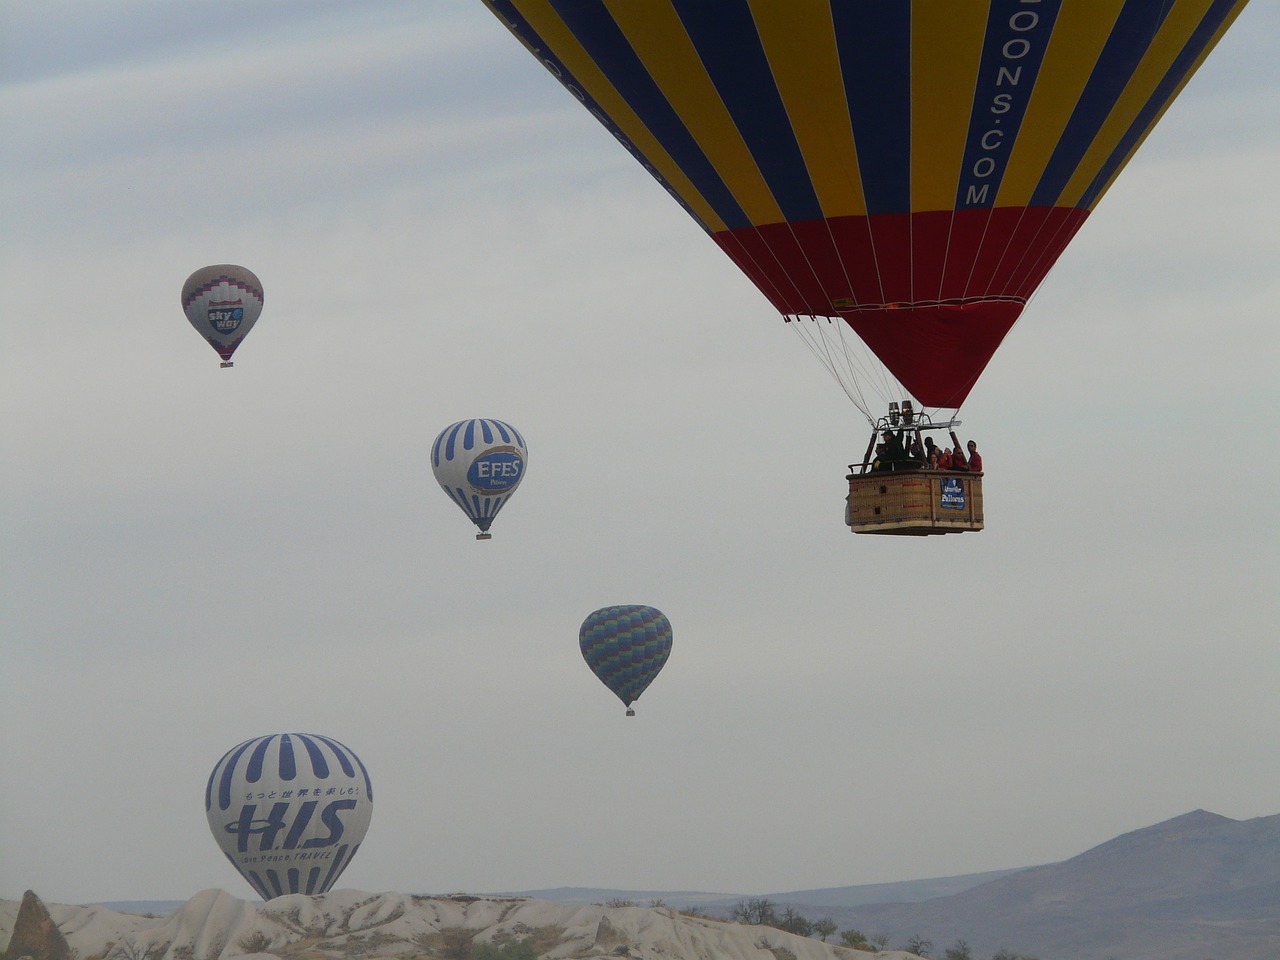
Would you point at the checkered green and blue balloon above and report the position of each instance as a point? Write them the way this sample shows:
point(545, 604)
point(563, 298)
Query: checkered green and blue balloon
point(625, 646)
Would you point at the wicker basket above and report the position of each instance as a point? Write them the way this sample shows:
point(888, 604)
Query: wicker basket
point(914, 502)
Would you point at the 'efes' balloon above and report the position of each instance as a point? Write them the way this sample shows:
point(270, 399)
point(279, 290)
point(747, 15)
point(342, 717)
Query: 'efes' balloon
point(626, 646)
point(289, 811)
point(910, 169)
point(222, 302)
point(479, 464)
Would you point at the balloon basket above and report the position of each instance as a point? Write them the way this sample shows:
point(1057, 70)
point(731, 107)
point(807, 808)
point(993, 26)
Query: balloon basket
point(914, 503)
point(630, 712)
point(484, 536)
point(226, 363)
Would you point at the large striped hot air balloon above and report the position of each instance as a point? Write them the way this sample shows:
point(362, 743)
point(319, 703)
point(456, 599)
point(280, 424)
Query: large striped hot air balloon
point(910, 169)
point(626, 646)
point(289, 810)
point(223, 303)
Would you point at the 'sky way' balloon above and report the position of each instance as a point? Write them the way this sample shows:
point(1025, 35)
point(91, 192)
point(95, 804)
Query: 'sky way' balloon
point(625, 646)
point(223, 303)
point(479, 464)
point(289, 811)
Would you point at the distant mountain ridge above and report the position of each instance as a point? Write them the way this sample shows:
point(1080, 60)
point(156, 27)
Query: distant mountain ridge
point(1197, 887)
point(902, 891)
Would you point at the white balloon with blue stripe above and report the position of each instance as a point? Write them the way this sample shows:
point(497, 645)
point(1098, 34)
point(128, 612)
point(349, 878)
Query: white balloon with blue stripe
point(289, 811)
point(479, 464)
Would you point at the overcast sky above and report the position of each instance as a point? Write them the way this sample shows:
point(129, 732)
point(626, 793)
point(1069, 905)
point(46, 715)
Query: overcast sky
point(196, 556)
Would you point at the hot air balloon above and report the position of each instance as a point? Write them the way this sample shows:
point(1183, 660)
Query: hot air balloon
point(289, 810)
point(479, 464)
point(223, 303)
point(895, 178)
point(626, 646)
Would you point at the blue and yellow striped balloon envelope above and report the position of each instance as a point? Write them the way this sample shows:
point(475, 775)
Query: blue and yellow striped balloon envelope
point(911, 167)
point(626, 646)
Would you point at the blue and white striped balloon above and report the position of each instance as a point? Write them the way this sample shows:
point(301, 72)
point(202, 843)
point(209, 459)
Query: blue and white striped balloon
point(479, 464)
point(289, 810)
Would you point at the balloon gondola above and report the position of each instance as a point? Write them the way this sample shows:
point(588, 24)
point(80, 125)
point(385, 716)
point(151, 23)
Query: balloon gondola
point(289, 811)
point(223, 303)
point(479, 464)
point(895, 178)
point(626, 646)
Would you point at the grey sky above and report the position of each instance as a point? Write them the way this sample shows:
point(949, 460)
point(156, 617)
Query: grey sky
point(194, 556)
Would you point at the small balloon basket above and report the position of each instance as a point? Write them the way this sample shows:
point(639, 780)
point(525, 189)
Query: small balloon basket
point(914, 503)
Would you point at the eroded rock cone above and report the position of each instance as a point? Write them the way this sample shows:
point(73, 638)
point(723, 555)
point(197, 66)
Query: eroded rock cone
point(35, 934)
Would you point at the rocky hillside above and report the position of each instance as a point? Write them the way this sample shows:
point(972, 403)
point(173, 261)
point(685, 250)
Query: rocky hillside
point(213, 925)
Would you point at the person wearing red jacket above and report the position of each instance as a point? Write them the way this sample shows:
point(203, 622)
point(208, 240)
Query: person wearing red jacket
point(975, 458)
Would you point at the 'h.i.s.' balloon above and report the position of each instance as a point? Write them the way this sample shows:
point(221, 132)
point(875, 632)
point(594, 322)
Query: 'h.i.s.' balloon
point(479, 464)
point(289, 810)
point(223, 303)
point(626, 646)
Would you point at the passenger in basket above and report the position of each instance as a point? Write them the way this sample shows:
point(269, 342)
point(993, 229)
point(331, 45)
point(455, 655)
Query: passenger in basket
point(933, 459)
point(957, 454)
point(975, 458)
point(944, 459)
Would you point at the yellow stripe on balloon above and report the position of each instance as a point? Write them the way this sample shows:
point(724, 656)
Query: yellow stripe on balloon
point(548, 25)
point(1208, 48)
point(659, 39)
point(799, 42)
point(1169, 41)
point(946, 50)
point(1077, 41)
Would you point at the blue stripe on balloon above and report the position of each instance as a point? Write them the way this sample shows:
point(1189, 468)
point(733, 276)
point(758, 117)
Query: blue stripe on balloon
point(341, 752)
point(319, 765)
point(1130, 37)
point(294, 880)
point(273, 883)
point(1160, 97)
point(594, 27)
point(255, 881)
point(728, 44)
point(469, 435)
point(460, 498)
point(229, 772)
point(253, 772)
point(874, 40)
point(1009, 22)
point(313, 877)
point(288, 767)
point(451, 440)
point(515, 433)
point(486, 429)
point(339, 861)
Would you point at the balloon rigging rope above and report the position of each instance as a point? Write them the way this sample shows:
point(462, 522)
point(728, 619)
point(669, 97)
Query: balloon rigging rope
point(849, 362)
point(820, 347)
